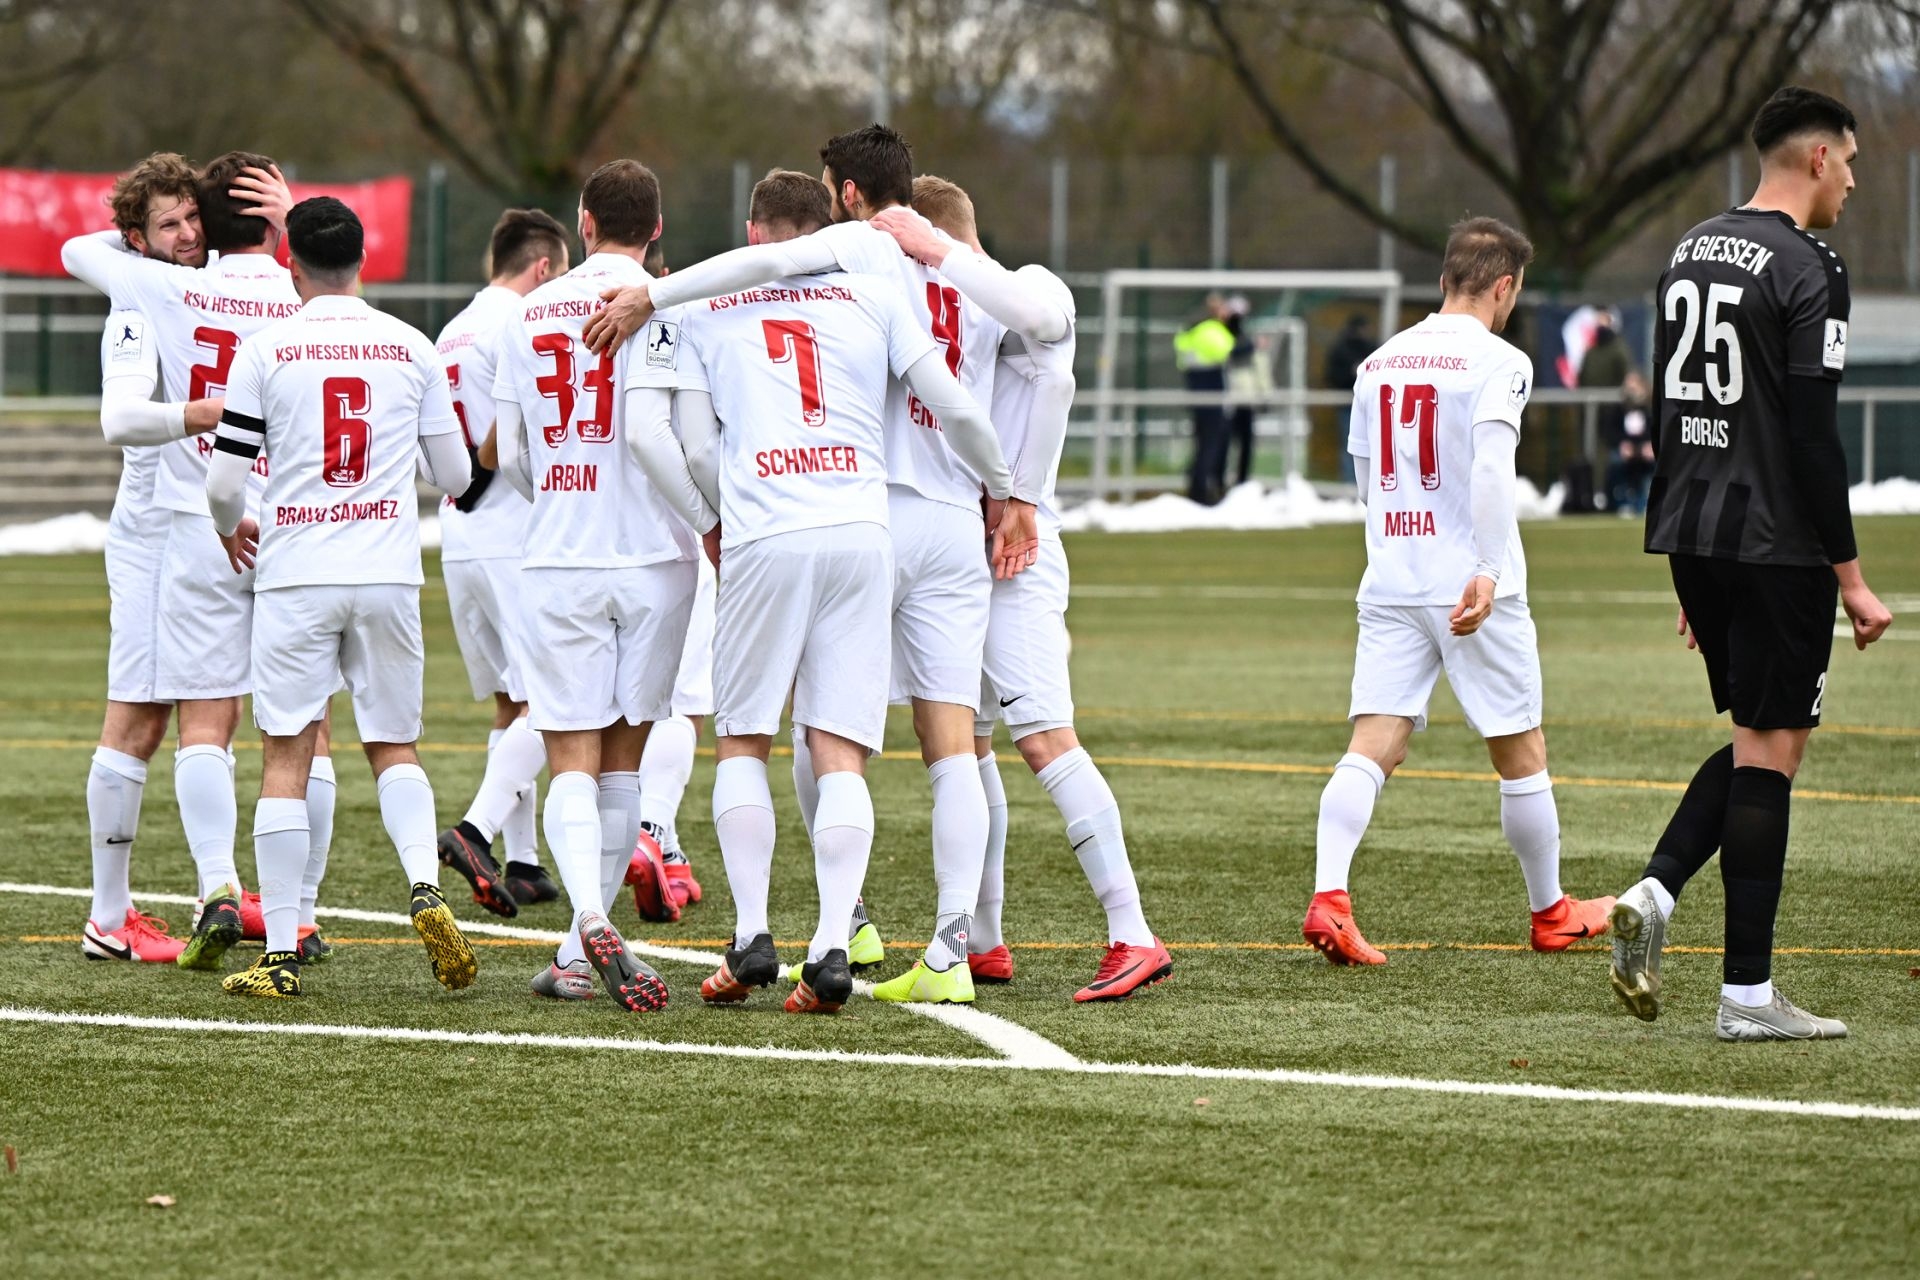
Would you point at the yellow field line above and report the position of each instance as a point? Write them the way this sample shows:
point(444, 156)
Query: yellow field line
point(1092, 946)
point(1133, 762)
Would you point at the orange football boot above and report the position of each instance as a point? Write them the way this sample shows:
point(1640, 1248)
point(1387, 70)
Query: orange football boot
point(653, 894)
point(1330, 928)
point(993, 966)
point(1569, 920)
point(1125, 969)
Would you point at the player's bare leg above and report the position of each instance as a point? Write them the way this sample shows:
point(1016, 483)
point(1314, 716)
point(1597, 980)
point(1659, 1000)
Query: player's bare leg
point(1378, 747)
point(1531, 822)
point(281, 841)
point(116, 783)
point(1134, 958)
point(203, 786)
point(505, 803)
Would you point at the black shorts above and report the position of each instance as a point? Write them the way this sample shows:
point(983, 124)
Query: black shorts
point(1766, 631)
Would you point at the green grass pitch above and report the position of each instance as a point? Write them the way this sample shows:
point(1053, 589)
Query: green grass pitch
point(1212, 674)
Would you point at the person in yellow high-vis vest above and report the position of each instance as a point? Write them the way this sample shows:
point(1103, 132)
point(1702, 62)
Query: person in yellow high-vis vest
point(1202, 352)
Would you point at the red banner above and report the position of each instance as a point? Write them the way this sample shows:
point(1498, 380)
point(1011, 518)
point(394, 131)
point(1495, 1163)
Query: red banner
point(41, 211)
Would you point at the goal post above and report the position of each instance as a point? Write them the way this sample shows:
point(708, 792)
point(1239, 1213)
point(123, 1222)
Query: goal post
point(1111, 404)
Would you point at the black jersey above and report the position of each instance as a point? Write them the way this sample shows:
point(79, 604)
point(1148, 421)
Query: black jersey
point(1747, 300)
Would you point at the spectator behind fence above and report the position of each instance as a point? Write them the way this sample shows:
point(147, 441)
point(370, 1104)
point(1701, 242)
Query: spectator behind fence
point(1343, 368)
point(1630, 468)
point(1249, 376)
point(1202, 352)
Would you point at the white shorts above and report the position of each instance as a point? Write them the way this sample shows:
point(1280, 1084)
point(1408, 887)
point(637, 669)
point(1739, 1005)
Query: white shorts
point(602, 645)
point(307, 640)
point(1024, 681)
point(483, 596)
point(206, 616)
point(136, 558)
point(1495, 672)
point(805, 611)
point(693, 684)
point(942, 586)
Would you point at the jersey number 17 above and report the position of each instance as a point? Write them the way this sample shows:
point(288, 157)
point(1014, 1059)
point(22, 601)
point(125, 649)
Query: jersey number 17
point(1417, 407)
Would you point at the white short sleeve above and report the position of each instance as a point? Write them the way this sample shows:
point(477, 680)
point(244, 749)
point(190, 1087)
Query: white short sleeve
point(1503, 396)
point(247, 382)
point(1360, 425)
point(437, 414)
point(667, 359)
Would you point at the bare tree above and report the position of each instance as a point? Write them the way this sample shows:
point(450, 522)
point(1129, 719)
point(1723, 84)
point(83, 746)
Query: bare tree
point(1589, 117)
point(50, 48)
point(516, 92)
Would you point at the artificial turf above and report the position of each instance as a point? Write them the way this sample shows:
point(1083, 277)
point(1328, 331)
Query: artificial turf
point(1211, 671)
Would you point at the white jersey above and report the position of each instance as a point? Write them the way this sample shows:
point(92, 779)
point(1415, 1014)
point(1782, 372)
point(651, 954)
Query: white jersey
point(593, 507)
point(801, 391)
point(344, 395)
point(127, 348)
point(1036, 378)
point(199, 318)
point(917, 454)
point(1414, 408)
point(497, 526)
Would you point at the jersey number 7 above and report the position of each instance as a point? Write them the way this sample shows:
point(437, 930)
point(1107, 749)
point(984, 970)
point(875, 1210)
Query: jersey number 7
point(792, 340)
point(1419, 408)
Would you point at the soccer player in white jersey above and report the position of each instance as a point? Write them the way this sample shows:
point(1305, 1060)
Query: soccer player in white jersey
point(1025, 678)
point(196, 322)
point(347, 401)
point(481, 535)
point(942, 584)
point(1436, 420)
point(797, 374)
point(608, 579)
point(154, 211)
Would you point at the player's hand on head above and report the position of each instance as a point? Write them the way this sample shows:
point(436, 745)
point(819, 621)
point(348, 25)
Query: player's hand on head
point(1680, 628)
point(621, 316)
point(1476, 602)
point(272, 198)
point(913, 233)
point(1016, 539)
point(1869, 617)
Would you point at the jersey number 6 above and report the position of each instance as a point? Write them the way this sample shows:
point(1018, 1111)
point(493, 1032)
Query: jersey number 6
point(345, 404)
point(1419, 407)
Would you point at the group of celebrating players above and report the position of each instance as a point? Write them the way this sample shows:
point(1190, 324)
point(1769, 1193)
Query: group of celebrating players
point(857, 419)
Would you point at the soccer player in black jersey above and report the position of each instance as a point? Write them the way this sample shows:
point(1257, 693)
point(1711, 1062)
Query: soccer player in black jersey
point(1749, 505)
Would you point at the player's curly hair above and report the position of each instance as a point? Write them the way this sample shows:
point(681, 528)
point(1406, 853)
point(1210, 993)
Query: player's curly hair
point(164, 173)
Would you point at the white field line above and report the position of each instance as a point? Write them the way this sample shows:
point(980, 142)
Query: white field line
point(1311, 1079)
point(997, 1033)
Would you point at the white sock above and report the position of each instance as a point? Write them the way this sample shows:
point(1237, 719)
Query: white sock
point(280, 845)
point(1093, 828)
point(1346, 807)
point(1662, 897)
point(743, 820)
point(841, 844)
point(1531, 823)
point(115, 784)
point(666, 766)
point(960, 829)
point(321, 793)
point(1754, 996)
point(619, 828)
point(406, 810)
point(573, 838)
point(993, 891)
point(203, 785)
point(806, 789)
point(513, 762)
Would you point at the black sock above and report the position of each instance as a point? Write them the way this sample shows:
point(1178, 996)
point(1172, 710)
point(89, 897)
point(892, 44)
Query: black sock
point(1753, 858)
point(1693, 833)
